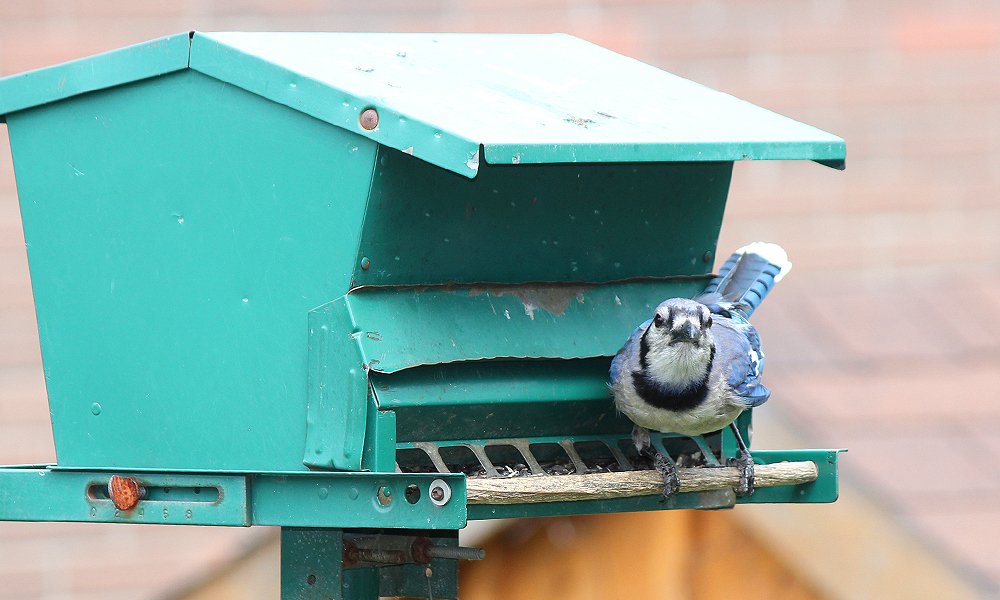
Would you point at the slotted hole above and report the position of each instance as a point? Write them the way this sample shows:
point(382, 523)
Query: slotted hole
point(505, 458)
point(461, 460)
point(552, 458)
point(685, 451)
point(412, 494)
point(628, 449)
point(597, 456)
point(414, 460)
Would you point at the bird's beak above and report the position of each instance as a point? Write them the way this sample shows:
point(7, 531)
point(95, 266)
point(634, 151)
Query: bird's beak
point(685, 331)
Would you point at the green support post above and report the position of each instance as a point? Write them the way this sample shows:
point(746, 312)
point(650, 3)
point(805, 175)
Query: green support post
point(312, 564)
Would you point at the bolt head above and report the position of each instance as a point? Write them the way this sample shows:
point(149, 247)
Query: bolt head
point(368, 119)
point(439, 492)
point(384, 495)
point(124, 491)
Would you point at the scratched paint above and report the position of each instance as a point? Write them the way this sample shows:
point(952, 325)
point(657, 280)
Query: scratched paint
point(553, 299)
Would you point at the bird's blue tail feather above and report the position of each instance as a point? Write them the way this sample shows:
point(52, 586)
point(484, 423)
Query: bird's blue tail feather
point(746, 277)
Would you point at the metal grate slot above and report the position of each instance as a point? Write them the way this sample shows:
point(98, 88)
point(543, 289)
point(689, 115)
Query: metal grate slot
point(548, 456)
point(555, 460)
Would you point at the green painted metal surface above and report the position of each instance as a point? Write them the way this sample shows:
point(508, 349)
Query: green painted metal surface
point(715, 499)
point(40, 494)
point(311, 567)
point(396, 329)
point(302, 499)
point(414, 581)
point(826, 488)
point(179, 230)
point(311, 564)
point(500, 399)
point(337, 392)
point(349, 500)
point(540, 222)
point(548, 98)
point(125, 65)
point(388, 330)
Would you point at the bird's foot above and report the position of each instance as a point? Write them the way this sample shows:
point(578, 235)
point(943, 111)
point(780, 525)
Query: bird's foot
point(666, 468)
point(744, 463)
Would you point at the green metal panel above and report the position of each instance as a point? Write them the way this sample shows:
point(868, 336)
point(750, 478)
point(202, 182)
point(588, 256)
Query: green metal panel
point(825, 489)
point(500, 399)
point(400, 328)
point(179, 230)
point(125, 65)
point(704, 500)
point(387, 330)
point(40, 494)
point(300, 499)
point(591, 223)
point(337, 392)
point(524, 98)
point(351, 500)
point(311, 567)
point(311, 564)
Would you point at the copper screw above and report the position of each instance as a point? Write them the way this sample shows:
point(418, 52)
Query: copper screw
point(368, 119)
point(124, 491)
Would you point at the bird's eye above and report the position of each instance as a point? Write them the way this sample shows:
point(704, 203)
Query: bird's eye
point(657, 320)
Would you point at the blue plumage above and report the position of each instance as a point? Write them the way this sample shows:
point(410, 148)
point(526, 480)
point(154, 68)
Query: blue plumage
point(697, 364)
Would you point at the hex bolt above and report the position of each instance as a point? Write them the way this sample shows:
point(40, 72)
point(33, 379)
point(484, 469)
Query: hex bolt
point(368, 119)
point(440, 492)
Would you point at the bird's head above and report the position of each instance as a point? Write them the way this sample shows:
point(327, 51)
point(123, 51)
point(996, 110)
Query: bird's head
point(681, 321)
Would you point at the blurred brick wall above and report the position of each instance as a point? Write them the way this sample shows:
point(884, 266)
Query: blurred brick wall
point(879, 249)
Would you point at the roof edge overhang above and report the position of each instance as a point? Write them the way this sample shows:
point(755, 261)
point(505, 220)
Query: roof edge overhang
point(109, 69)
point(451, 150)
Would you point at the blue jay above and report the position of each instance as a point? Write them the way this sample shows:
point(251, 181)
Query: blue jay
point(697, 364)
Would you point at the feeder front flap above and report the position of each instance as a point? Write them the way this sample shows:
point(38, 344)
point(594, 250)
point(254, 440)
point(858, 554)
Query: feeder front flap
point(397, 330)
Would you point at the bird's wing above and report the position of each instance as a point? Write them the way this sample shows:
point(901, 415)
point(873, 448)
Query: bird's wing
point(738, 354)
point(631, 348)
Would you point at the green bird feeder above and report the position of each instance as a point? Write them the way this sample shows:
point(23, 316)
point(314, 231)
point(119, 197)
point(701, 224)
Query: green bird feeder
point(366, 287)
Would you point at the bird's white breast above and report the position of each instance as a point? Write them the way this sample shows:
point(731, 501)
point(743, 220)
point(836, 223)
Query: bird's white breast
point(678, 363)
point(717, 411)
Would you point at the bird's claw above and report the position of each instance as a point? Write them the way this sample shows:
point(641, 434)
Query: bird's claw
point(745, 466)
point(665, 467)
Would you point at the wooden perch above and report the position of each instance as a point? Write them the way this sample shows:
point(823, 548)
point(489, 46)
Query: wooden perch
point(626, 484)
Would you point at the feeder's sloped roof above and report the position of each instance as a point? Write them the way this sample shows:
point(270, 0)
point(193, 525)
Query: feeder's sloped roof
point(523, 98)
